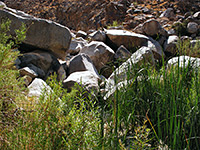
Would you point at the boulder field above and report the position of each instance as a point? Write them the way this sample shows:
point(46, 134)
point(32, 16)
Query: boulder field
point(94, 56)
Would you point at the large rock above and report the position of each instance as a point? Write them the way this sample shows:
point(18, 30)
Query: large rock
point(81, 62)
point(129, 39)
point(40, 59)
point(143, 56)
point(41, 33)
point(100, 53)
point(87, 79)
point(184, 61)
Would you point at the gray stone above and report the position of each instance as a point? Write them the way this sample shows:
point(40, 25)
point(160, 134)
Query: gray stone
point(169, 13)
point(41, 33)
point(170, 45)
point(142, 56)
point(76, 45)
point(152, 28)
point(81, 62)
point(184, 61)
point(122, 53)
point(192, 27)
point(156, 49)
point(99, 53)
point(87, 79)
point(98, 36)
point(38, 87)
point(129, 39)
point(42, 60)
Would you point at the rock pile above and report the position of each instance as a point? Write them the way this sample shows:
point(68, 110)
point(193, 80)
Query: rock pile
point(89, 57)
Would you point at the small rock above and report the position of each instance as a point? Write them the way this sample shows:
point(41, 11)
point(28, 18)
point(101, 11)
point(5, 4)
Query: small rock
point(122, 53)
point(38, 87)
point(28, 71)
point(98, 36)
point(169, 13)
point(170, 44)
point(197, 15)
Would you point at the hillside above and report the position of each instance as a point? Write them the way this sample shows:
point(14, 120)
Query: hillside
point(92, 14)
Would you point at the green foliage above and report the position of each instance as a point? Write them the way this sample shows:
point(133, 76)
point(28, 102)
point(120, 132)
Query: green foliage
point(11, 88)
point(59, 120)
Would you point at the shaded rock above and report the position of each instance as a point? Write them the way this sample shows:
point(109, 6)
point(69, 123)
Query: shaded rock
point(40, 59)
point(81, 34)
point(87, 79)
point(61, 73)
point(129, 39)
point(81, 62)
point(142, 56)
point(169, 13)
point(156, 49)
point(170, 45)
point(38, 87)
point(99, 53)
point(192, 27)
point(41, 33)
point(98, 36)
point(183, 62)
point(122, 53)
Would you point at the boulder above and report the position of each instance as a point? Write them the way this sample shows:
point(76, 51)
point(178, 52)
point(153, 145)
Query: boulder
point(99, 53)
point(170, 45)
point(38, 87)
point(87, 79)
point(192, 27)
point(129, 39)
point(81, 62)
point(184, 61)
point(142, 56)
point(41, 33)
